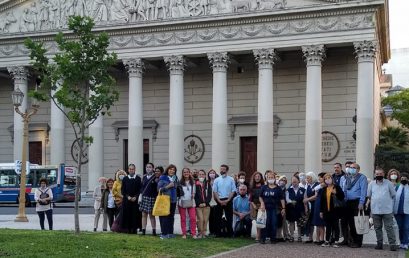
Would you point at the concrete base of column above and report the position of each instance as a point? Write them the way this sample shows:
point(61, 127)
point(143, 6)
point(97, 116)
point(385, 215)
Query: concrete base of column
point(96, 157)
point(265, 150)
point(313, 145)
point(57, 146)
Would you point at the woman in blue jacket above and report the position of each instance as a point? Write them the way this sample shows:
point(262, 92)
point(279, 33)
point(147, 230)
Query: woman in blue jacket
point(401, 210)
point(167, 185)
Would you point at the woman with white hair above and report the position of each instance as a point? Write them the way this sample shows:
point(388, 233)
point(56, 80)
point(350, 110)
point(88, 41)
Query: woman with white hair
point(309, 200)
point(99, 210)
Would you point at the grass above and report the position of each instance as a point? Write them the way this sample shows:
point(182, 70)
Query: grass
point(35, 243)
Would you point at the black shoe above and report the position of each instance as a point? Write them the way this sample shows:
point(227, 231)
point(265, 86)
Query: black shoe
point(104, 230)
point(263, 242)
point(154, 232)
point(308, 242)
point(354, 245)
point(379, 247)
point(95, 230)
point(143, 232)
point(280, 240)
point(273, 242)
point(343, 243)
point(393, 248)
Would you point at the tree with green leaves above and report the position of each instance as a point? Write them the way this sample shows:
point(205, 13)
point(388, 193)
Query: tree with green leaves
point(77, 80)
point(393, 138)
point(399, 103)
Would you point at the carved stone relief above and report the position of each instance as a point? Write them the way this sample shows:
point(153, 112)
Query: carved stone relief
point(44, 15)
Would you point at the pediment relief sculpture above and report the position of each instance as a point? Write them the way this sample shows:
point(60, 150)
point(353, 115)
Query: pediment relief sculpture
point(50, 15)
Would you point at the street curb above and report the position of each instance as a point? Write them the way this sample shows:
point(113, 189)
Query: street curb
point(232, 251)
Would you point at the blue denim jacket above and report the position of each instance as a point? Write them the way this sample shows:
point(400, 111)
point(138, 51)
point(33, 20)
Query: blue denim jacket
point(164, 180)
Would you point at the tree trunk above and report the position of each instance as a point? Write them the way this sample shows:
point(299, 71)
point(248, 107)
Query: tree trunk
point(78, 186)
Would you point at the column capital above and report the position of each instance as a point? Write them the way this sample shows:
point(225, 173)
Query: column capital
point(365, 51)
point(18, 73)
point(265, 57)
point(313, 54)
point(219, 61)
point(134, 66)
point(175, 64)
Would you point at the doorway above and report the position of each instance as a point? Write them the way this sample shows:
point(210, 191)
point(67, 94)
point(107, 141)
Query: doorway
point(35, 152)
point(145, 153)
point(248, 156)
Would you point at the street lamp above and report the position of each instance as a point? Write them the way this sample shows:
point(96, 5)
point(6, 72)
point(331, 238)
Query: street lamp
point(17, 97)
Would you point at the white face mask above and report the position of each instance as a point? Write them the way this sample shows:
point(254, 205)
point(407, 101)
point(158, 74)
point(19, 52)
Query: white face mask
point(394, 177)
point(241, 180)
point(201, 179)
point(271, 181)
point(121, 177)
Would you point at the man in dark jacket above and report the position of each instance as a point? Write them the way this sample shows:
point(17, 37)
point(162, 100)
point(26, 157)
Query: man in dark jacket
point(131, 188)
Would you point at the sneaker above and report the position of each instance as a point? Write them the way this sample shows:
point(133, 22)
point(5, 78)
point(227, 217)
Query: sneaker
point(393, 248)
point(164, 236)
point(194, 237)
point(299, 239)
point(171, 236)
point(184, 236)
point(379, 247)
point(335, 245)
point(405, 247)
point(326, 244)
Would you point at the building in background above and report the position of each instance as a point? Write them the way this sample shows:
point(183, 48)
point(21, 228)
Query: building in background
point(255, 84)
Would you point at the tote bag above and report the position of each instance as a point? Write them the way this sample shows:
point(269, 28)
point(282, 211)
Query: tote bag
point(361, 223)
point(261, 219)
point(162, 205)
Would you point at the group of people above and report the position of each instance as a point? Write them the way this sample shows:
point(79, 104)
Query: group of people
point(220, 205)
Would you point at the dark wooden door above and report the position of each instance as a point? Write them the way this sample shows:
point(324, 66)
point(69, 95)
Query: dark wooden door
point(35, 153)
point(145, 153)
point(248, 156)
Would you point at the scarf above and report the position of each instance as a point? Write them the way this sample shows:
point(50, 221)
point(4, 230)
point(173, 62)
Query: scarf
point(349, 182)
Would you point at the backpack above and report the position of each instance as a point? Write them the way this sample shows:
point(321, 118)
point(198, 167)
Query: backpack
point(44, 195)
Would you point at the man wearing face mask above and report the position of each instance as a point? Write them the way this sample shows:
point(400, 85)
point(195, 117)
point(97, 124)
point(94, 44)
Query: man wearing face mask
point(223, 191)
point(381, 194)
point(401, 210)
point(241, 208)
point(355, 186)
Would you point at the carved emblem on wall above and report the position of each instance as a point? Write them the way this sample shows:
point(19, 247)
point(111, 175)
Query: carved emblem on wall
point(330, 146)
point(75, 152)
point(194, 149)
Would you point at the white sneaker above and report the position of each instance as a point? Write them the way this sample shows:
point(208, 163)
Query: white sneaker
point(326, 244)
point(405, 247)
point(335, 245)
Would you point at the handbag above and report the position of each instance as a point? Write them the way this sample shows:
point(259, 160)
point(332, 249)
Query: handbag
point(261, 219)
point(337, 202)
point(186, 203)
point(162, 205)
point(361, 223)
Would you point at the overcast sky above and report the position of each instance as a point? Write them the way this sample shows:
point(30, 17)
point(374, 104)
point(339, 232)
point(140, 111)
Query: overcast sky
point(399, 23)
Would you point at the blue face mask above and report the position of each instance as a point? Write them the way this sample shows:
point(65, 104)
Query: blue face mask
point(352, 171)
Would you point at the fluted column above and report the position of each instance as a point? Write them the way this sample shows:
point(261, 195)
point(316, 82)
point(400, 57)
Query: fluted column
point(57, 133)
point(96, 152)
point(219, 62)
point(314, 55)
point(20, 77)
point(265, 121)
point(176, 66)
point(135, 68)
point(365, 53)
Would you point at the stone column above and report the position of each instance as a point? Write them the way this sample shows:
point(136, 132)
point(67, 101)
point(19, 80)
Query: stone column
point(365, 52)
point(313, 55)
point(57, 133)
point(176, 66)
point(219, 63)
point(20, 77)
point(96, 153)
point(265, 121)
point(135, 117)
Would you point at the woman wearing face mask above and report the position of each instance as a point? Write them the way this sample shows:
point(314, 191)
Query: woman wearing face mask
point(394, 177)
point(316, 219)
point(309, 199)
point(241, 180)
point(256, 183)
point(295, 206)
point(401, 210)
point(203, 198)
point(167, 185)
point(282, 226)
point(149, 194)
point(116, 189)
point(43, 196)
point(271, 198)
point(211, 176)
point(328, 212)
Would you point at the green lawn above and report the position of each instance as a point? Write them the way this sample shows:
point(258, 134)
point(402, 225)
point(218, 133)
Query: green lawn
point(35, 243)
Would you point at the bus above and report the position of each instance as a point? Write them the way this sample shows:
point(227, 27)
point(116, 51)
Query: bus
point(61, 180)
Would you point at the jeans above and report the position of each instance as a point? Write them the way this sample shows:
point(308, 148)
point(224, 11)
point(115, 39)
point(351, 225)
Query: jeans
point(387, 220)
point(167, 222)
point(192, 217)
point(271, 225)
point(403, 225)
point(243, 227)
point(49, 214)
